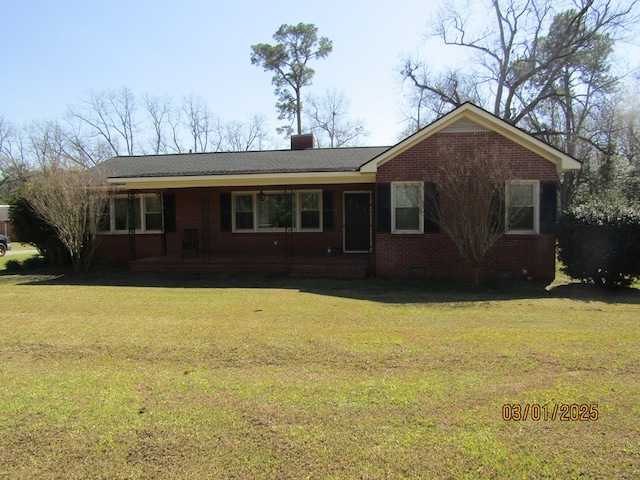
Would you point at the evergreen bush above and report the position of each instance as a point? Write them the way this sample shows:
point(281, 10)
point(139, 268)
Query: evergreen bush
point(30, 228)
point(13, 266)
point(599, 242)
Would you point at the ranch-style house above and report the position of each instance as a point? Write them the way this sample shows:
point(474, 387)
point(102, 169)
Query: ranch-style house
point(326, 211)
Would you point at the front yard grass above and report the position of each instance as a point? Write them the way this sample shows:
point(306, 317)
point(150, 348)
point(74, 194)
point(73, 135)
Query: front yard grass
point(198, 377)
point(19, 252)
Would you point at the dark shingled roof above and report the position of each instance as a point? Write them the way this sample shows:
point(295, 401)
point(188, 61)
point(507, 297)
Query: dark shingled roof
point(239, 163)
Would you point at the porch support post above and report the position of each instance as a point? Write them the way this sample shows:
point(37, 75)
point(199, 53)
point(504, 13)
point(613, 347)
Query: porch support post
point(131, 214)
point(206, 222)
point(288, 229)
point(164, 228)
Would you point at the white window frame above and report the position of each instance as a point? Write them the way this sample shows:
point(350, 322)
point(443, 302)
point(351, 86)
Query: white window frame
point(319, 228)
point(143, 212)
point(535, 205)
point(143, 227)
point(253, 211)
point(394, 229)
point(297, 214)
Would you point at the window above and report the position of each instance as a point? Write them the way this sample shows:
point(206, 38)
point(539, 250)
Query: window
point(121, 214)
point(117, 215)
point(152, 213)
point(104, 224)
point(275, 211)
point(406, 208)
point(522, 215)
point(243, 205)
point(310, 210)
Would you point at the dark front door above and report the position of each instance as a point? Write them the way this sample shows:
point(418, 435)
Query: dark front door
point(357, 222)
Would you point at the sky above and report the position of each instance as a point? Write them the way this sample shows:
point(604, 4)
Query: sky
point(53, 53)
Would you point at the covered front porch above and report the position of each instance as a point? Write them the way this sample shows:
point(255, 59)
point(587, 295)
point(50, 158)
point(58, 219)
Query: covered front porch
point(334, 264)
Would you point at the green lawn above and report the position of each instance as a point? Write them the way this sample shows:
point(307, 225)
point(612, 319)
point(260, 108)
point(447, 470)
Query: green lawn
point(18, 246)
point(16, 254)
point(198, 377)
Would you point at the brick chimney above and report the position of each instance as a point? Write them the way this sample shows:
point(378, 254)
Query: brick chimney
point(303, 142)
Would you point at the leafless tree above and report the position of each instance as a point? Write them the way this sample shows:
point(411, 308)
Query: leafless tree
point(11, 150)
point(467, 199)
point(539, 64)
point(42, 143)
point(629, 112)
point(328, 118)
point(431, 94)
point(251, 135)
point(82, 148)
point(13, 168)
point(110, 115)
point(615, 172)
point(158, 110)
point(200, 123)
point(6, 132)
point(175, 122)
point(520, 52)
point(72, 201)
point(55, 143)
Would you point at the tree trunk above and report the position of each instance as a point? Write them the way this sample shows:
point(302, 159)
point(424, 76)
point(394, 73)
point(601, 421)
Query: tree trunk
point(475, 276)
point(299, 111)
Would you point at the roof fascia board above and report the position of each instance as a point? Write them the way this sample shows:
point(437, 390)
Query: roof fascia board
point(562, 161)
point(247, 180)
point(409, 142)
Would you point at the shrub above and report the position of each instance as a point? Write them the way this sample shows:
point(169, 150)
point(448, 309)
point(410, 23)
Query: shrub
point(34, 263)
point(13, 266)
point(32, 229)
point(599, 242)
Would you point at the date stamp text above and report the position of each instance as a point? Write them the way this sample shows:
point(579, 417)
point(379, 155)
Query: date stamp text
point(564, 412)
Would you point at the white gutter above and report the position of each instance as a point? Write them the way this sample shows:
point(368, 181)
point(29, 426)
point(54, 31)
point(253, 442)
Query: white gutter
point(242, 180)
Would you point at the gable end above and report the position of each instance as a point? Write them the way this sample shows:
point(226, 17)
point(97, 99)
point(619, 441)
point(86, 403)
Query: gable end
point(465, 125)
point(469, 118)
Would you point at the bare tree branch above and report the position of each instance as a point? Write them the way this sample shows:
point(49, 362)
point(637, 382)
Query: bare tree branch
point(467, 202)
point(328, 117)
point(110, 115)
point(158, 109)
point(200, 123)
point(72, 201)
point(239, 137)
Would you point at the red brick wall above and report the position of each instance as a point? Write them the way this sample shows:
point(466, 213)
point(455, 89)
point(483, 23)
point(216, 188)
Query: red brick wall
point(115, 248)
point(420, 162)
point(437, 256)
point(434, 253)
point(5, 229)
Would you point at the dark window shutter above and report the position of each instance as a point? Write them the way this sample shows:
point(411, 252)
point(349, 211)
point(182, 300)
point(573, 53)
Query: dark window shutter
point(225, 212)
point(548, 206)
point(169, 207)
point(328, 209)
point(431, 207)
point(383, 204)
